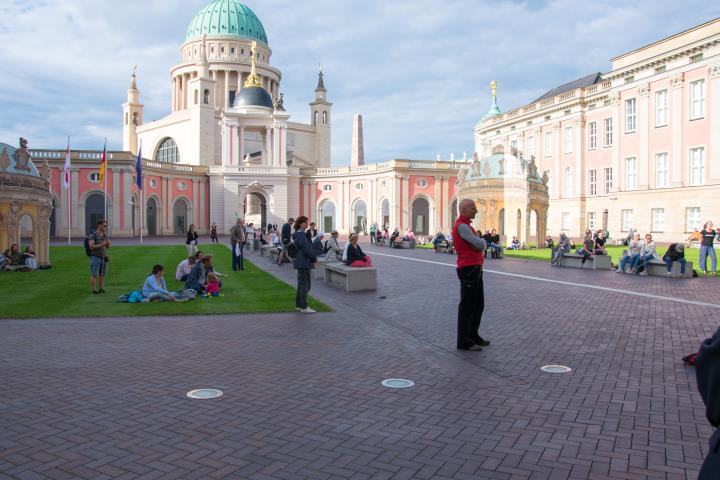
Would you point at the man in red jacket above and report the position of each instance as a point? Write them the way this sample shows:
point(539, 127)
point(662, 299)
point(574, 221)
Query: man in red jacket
point(470, 250)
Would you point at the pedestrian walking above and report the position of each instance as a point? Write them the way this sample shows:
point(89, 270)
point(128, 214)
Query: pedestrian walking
point(191, 242)
point(708, 234)
point(470, 250)
point(237, 243)
point(213, 233)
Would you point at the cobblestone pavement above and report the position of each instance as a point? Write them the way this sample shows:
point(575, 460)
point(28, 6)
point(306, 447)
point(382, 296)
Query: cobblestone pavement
point(105, 398)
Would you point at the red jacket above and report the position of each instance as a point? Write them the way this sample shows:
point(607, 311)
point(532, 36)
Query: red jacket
point(467, 256)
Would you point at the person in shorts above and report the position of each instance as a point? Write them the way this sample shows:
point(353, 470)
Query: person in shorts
point(99, 244)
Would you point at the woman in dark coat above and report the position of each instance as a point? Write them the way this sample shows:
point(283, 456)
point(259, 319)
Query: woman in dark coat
point(304, 262)
point(192, 241)
point(707, 369)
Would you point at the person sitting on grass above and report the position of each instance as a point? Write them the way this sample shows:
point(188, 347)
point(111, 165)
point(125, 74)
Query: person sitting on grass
point(549, 243)
point(632, 254)
point(212, 287)
point(355, 257)
point(4, 259)
point(16, 259)
point(563, 247)
point(155, 287)
point(183, 269)
point(196, 277)
point(675, 253)
point(30, 258)
point(318, 246)
point(515, 244)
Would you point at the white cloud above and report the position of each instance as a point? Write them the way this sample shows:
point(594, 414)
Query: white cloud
point(417, 70)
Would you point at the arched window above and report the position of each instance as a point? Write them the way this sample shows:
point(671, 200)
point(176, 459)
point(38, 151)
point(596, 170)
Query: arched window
point(324, 117)
point(315, 118)
point(206, 96)
point(168, 152)
point(196, 97)
point(136, 119)
point(568, 182)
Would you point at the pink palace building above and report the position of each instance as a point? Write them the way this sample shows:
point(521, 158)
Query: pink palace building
point(627, 148)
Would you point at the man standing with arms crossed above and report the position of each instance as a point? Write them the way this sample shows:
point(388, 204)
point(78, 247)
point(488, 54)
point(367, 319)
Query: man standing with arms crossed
point(470, 258)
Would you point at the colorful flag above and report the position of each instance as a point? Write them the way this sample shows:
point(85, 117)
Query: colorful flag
point(138, 167)
point(66, 169)
point(103, 165)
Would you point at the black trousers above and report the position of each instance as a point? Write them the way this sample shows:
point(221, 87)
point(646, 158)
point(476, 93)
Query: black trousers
point(472, 304)
point(303, 287)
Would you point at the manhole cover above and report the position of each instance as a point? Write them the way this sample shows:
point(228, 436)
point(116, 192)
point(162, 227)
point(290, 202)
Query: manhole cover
point(556, 369)
point(397, 383)
point(204, 393)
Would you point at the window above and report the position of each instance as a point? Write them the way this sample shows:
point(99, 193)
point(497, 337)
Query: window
point(697, 99)
point(661, 170)
point(592, 135)
point(692, 219)
point(630, 173)
point(359, 186)
point(94, 177)
point(153, 183)
point(608, 180)
point(167, 152)
point(629, 79)
point(661, 108)
point(548, 144)
point(696, 58)
point(608, 132)
point(565, 221)
point(697, 166)
point(591, 220)
point(531, 146)
point(232, 50)
point(658, 219)
point(568, 139)
point(660, 69)
point(327, 187)
point(592, 182)
point(513, 144)
point(568, 182)
point(422, 183)
point(626, 219)
point(630, 115)
point(383, 184)
point(182, 186)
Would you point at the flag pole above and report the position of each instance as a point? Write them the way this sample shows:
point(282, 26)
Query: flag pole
point(69, 194)
point(105, 187)
point(142, 194)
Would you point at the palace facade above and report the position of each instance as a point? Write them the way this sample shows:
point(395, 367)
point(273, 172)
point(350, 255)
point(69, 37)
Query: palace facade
point(629, 148)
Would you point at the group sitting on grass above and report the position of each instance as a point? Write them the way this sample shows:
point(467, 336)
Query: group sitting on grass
point(13, 259)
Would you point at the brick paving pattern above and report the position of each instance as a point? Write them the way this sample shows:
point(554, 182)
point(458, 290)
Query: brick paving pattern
point(105, 398)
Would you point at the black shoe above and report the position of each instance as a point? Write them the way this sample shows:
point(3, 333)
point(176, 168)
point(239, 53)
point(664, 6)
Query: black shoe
point(95, 292)
point(102, 290)
point(482, 342)
point(474, 348)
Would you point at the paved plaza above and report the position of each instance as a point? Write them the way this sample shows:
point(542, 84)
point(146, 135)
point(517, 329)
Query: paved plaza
point(105, 398)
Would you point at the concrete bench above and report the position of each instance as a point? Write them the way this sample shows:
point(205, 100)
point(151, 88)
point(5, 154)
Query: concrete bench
point(352, 279)
point(445, 247)
point(265, 250)
point(657, 268)
point(319, 270)
point(408, 243)
point(595, 262)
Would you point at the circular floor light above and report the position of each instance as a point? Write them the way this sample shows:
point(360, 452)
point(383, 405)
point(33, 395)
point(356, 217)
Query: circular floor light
point(204, 393)
point(397, 383)
point(556, 369)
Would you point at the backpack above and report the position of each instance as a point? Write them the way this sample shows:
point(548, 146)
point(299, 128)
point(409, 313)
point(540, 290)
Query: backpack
point(292, 250)
point(86, 244)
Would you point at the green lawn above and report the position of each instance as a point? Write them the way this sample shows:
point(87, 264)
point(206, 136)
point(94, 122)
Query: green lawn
point(64, 290)
point(615, 251)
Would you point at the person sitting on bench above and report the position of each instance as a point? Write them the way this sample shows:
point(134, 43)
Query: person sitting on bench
point(439, 238)
point(495, 244)
point(563, 247)
point(355, 257)
point(318, 246)
point(587, 249)
point(394, 236)
point(632, 255)
point(675, 253)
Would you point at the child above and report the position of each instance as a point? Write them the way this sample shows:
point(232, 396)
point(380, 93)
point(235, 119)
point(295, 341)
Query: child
point(212, 287)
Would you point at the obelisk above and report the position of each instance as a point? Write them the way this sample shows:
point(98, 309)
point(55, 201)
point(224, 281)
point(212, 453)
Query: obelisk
point(358, 151)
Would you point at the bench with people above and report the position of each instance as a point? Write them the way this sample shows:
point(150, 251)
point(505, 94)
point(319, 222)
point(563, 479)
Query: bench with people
point(593, 249)
point(641, 258)
point(14, 260)
point(356, 273)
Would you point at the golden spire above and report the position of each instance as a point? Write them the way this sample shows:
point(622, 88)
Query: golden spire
point(493, 87)
point(253, 79)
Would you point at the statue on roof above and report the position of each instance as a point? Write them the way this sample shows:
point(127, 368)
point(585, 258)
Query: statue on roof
point(501, 162)
point(253, 79)
point(22, 156)
point(546, 177)
point(493, 87)
point(532, 169)
point(278, 103)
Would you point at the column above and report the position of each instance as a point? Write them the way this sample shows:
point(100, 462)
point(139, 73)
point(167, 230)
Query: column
point(226, 139)
point(559, 181)
point(437, 221)
point(312, 210)
point(173, 95)
point(196, 203)
point(615, 149)
point(201, 201)
point(226, 87)
point(78, 224)
point(677, 106)
point(239, 83)
point(168, 205)
point(396, 212)
point(644, 163)
point(406, 202)
point(127, 182)
point(116, 200)
point(61, 219)
point(267, 154)
point(713, 113)
point(579, 148)
point(241, 145)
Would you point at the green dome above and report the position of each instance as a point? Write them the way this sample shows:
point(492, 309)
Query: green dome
point(227, 17)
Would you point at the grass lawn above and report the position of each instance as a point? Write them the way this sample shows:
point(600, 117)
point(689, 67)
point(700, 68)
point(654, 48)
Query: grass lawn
point(615, 251)
point(64, 290)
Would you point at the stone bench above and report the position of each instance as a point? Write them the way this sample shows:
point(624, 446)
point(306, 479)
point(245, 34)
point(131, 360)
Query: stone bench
point(352, 279)
point(595, 262)
point(657, 268)
point(266, 250)
point(408, 243)
point(445, 247)
point(319, 270)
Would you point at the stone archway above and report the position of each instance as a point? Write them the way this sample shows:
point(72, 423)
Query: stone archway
point(420, 220)
point(326, 215)
point(384, 213)
point(180, 216)
point(94, 211)
point(151, 216)
point(255, 209)
point(26, 230)
point(359, 216)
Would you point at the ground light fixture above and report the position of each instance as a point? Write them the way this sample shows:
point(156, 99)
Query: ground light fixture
point(397, 383)
point(204, 393)
point(556, 369)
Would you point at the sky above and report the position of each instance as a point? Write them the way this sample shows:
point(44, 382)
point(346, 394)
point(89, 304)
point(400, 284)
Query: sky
point(418, 71)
